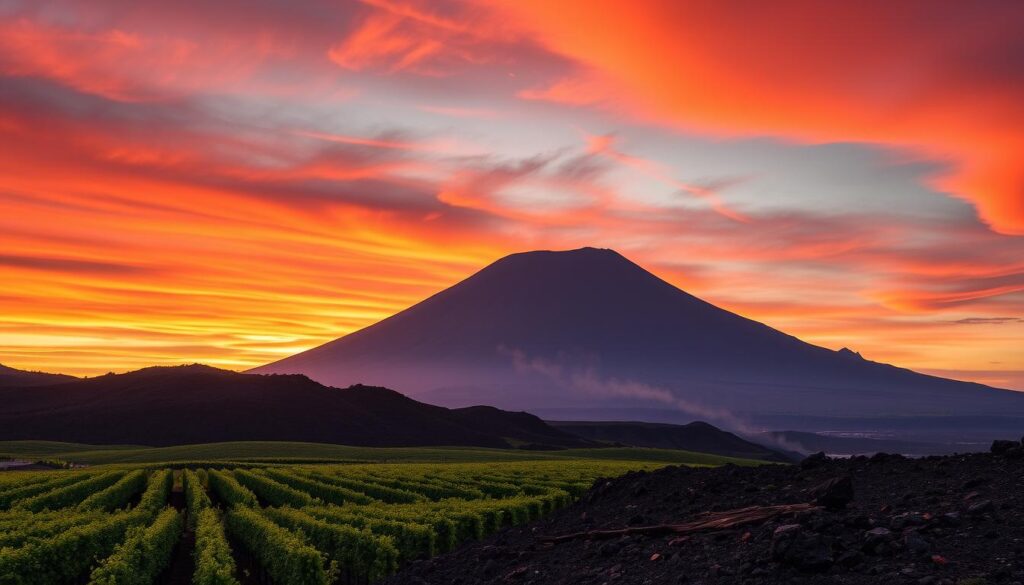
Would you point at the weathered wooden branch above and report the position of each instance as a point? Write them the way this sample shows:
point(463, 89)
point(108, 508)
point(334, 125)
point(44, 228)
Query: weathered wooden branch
point(706, 521)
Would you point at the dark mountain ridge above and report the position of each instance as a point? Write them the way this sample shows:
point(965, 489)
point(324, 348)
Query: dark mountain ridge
point(13, 377)
point(199, 404)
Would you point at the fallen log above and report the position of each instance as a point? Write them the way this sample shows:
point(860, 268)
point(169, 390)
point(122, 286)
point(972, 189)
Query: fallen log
point(706, 521)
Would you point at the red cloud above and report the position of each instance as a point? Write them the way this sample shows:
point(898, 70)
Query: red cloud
point(417, 37)
point(125, 65)
point(942, 80)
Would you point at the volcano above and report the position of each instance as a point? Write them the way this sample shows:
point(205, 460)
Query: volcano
point(587, 334)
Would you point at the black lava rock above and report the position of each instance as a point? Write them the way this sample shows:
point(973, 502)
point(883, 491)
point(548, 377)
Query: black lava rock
point(803, 549)
point(835, 493)
point(814, 461)
point(999, 447)
point(916, 544)
point(927, 521)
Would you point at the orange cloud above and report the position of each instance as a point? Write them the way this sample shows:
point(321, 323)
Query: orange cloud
point(947, 87)
point(410, 36)
point(118, 64)
point(378, 40)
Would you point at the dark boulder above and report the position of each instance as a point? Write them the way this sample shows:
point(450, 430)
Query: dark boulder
point(901, 521)
point(916, 544)
point(1000, 447)
point(950, 519)
point(835, 493)
point(980, 507)
point(800, 548)
point(814, 461)
point(878, 540)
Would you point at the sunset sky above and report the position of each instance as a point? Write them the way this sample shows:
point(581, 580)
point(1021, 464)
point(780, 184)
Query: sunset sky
point(232, 182)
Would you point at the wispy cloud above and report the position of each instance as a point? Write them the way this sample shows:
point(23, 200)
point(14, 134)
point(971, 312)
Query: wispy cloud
point(988, 320)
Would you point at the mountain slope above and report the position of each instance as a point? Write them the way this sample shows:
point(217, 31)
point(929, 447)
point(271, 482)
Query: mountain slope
point(198, 404)
point(12, 377)
point(589, 334)
point(696, 436)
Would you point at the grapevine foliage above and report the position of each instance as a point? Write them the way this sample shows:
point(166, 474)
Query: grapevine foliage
point(303, 524)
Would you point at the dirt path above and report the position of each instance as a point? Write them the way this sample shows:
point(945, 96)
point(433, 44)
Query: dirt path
point(177, 500)
point(248, 570)
point(182, 564)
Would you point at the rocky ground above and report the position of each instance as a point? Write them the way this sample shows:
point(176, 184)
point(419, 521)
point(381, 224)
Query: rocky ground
point(956, 520)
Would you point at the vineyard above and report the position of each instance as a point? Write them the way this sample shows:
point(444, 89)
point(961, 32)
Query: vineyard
point(294, 524)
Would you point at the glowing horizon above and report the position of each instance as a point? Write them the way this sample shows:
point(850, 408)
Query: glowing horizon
point(234, 182)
